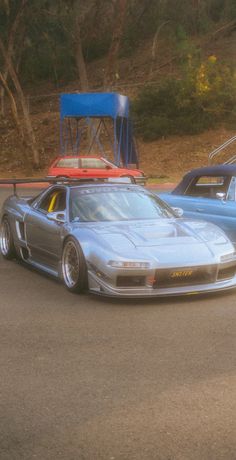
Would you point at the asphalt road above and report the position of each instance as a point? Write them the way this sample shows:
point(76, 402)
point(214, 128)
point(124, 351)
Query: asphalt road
point(89, 378)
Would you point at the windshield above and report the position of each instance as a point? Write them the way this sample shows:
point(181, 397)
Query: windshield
point(100, 205)
point(110, 163)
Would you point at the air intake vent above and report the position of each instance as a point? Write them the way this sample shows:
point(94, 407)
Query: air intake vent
point(130, 281)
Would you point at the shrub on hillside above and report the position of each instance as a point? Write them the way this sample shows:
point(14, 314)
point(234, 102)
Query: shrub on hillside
point(205, 96)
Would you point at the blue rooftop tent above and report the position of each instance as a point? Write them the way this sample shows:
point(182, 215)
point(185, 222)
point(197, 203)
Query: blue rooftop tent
point(78, 113)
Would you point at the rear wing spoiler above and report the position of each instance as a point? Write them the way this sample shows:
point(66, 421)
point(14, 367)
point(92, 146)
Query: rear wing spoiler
point(15, 182)
point(49, 181)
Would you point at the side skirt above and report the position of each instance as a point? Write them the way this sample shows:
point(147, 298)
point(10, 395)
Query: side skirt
point(42, 267)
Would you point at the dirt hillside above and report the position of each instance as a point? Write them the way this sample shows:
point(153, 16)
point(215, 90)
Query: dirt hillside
point(168, 158)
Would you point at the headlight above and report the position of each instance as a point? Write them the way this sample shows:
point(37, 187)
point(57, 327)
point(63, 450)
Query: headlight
point(228, 257)
point(128, 264)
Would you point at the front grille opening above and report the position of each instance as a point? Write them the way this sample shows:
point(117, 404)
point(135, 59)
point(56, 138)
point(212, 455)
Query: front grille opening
point(130, 281)
point(186, 276)
point(226, 273)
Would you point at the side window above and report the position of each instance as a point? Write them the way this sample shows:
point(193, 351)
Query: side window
point(231, 190)
point(207, 186)
point(93, 163)
point(54, 201)
point(68, 163)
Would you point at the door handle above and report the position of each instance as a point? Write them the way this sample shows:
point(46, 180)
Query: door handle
point(199, 210)
point(84, 170)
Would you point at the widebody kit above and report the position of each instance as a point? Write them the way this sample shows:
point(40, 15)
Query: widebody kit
point(116, 239)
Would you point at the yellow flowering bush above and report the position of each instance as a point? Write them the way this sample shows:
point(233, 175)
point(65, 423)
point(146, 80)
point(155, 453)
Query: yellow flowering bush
point(215, 86)
point(203, 97)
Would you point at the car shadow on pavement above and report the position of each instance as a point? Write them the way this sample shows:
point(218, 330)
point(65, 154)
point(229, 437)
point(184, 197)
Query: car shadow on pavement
point(124, 301)
point(159, 301)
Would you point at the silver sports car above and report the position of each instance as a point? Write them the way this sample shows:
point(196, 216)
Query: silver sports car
point(116, 239)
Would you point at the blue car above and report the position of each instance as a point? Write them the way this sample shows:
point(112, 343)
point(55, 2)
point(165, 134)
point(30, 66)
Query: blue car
point(209, 194)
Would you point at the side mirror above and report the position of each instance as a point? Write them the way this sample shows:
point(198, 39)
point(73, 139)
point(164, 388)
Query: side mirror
point(221, 196)
point(108, 167)
point(178, 211)
point(58, 217)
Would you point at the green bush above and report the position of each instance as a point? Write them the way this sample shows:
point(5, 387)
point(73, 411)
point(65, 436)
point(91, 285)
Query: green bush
point(204, 97)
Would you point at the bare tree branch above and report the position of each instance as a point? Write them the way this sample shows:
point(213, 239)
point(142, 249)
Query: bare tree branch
point(154, 47)
point(13, 105)
point(20, 93)
point(10, 46)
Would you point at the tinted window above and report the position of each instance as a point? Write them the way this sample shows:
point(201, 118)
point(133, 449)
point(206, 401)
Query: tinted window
point(92, 163)
point(116, 205)
point(68, 163)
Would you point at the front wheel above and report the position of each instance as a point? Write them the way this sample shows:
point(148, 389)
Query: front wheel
point(7, 247)
point(74, 269)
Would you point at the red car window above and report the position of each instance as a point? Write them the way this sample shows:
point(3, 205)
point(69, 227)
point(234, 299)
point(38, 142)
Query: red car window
point(68, 163)
point(92, 163)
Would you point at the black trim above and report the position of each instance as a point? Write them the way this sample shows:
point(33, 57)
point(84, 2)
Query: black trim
point(185, 276)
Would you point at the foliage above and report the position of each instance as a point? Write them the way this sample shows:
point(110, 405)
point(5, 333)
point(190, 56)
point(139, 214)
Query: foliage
point(203, 97)
point(46, 46)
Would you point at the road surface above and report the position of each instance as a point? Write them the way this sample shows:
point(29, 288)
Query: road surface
point(86, 378)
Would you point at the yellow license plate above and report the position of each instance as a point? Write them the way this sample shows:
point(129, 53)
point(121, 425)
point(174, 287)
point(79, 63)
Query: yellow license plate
point(181, 274)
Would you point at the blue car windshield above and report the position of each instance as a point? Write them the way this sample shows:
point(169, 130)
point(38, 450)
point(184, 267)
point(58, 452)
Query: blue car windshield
point(100, 205)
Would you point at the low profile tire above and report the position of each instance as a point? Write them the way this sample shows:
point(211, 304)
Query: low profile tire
point(7, 247)
point(73, 267)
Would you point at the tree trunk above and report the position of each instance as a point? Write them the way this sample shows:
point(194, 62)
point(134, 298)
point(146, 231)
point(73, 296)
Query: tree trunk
point(13, 105)
point(10, 45)
point(23, 102)
point(81, 66)
point(2, 97)
point(118, 27)
point(15, 115)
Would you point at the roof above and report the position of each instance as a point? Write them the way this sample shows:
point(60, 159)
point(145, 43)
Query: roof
point(226, 170)
point(101, 184)
point(94, 105)
point(217, 170)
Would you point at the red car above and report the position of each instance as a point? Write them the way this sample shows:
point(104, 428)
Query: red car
point(82, 166)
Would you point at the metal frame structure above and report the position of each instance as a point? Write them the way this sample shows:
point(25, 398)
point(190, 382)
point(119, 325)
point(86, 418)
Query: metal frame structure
point(94, 113)
point(219, 149)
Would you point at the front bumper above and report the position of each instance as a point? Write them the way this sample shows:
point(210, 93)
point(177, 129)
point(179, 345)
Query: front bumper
point(99, 286)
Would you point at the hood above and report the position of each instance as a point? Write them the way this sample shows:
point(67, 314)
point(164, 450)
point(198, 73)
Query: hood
point(164, 231)
point(166, 240)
